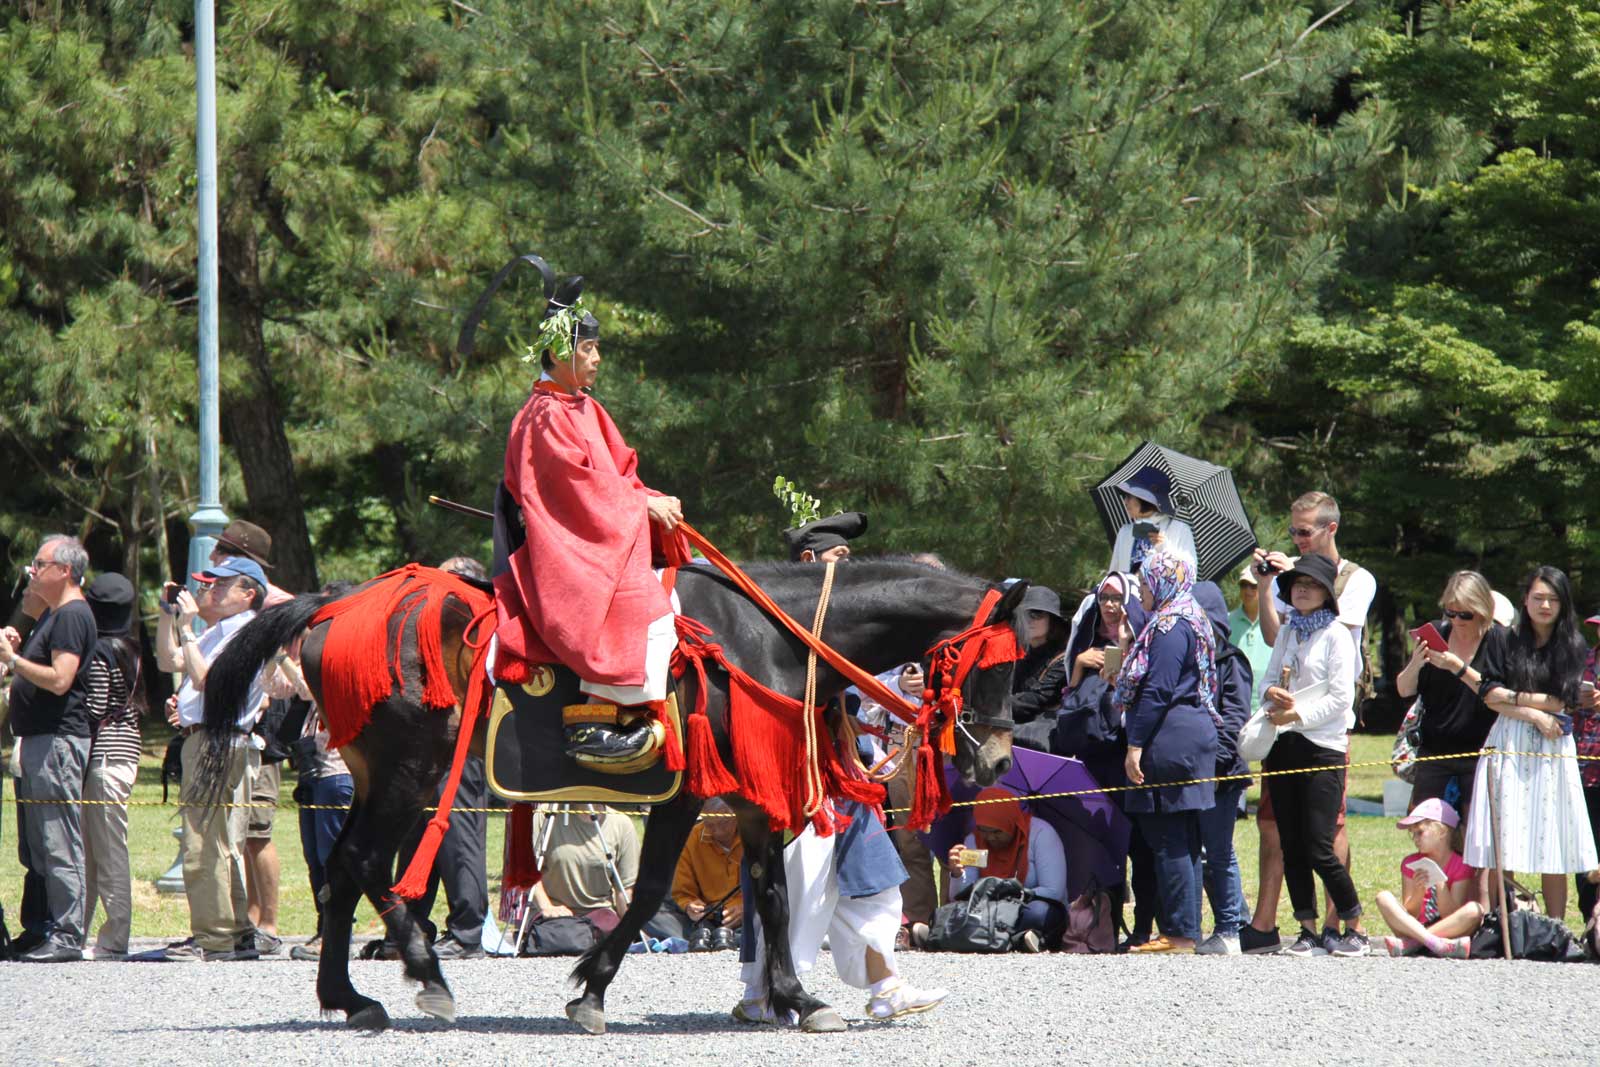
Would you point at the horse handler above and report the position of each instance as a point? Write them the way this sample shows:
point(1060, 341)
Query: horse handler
point(845, 887)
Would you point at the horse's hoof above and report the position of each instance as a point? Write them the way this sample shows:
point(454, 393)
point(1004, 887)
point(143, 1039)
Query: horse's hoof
point(593, 1020)
point(435, 1000)
point(371, 1017)
point(823, 1021)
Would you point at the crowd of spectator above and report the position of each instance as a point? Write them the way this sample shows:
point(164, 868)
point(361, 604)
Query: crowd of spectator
point(1150, 680)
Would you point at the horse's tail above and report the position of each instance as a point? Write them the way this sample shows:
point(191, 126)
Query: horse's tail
point(231, 676)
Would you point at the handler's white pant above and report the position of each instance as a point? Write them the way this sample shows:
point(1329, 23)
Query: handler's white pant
point(852, 925)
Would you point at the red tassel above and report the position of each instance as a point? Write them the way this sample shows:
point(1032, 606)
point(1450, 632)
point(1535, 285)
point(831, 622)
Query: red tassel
point(512, 670)
point(672, 744)
point(708, 776)
point(414, 882)
point(520, 869)
point(926, 803)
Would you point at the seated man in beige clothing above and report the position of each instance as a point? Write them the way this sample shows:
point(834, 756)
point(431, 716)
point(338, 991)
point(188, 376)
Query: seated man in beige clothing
point(586, 854)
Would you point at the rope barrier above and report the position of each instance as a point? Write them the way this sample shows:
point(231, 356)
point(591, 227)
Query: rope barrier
point(958, 804)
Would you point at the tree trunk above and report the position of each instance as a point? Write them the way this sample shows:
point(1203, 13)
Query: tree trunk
point(252, 422)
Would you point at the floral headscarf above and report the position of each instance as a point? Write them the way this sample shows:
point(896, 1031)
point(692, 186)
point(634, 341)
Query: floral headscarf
point(1170, 579)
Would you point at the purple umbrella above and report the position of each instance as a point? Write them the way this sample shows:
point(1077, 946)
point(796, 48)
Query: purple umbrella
point(1093, 830)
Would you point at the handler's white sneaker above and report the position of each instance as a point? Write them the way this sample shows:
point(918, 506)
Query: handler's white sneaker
point(900, 999)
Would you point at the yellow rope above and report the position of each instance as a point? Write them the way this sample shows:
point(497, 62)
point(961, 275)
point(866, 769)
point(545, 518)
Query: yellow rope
point(958, 804)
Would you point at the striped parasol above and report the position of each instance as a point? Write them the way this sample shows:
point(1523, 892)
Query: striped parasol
point(1203, 495)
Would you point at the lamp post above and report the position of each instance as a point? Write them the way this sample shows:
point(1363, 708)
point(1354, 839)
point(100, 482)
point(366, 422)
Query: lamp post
point(209, 520)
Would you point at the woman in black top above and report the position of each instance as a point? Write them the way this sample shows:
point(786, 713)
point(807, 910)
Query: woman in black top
point(1037, 681)
point(1454, 717)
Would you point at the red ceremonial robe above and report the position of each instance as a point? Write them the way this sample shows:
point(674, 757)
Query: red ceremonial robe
point(581, 590)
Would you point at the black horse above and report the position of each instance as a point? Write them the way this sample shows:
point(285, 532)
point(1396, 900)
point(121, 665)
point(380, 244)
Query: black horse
point(882, 613)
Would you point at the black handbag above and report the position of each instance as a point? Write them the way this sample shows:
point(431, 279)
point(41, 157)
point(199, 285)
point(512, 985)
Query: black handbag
point(564, 935)
point(985, 920)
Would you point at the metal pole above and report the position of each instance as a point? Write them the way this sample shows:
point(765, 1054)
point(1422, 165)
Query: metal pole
point(210, 519)
point(1497, 874)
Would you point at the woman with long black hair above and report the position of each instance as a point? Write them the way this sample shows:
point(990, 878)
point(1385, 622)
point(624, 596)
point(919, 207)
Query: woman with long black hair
point(1533, 772)
point(113, 700)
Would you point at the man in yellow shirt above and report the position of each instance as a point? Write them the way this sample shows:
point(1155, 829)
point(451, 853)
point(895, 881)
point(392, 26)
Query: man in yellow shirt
point(706, 907)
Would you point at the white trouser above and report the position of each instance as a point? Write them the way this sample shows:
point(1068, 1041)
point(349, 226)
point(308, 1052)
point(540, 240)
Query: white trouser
point(852, 925)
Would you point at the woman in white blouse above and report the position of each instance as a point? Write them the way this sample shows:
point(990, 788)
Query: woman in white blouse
point(1312, 730)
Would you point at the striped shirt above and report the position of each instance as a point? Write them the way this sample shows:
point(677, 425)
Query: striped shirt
point(116, 720)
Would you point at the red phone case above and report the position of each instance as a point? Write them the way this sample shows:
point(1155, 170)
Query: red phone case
point(1429, 635)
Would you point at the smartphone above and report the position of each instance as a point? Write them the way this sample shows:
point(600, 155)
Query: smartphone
point(1113, 659)
point(1429, 635)
point(974, 857)
point(170, 592)
point(1142, 530)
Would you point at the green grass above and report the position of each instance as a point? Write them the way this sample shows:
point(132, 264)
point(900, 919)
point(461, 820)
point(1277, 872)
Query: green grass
point(1377, 846)
point(152, 849)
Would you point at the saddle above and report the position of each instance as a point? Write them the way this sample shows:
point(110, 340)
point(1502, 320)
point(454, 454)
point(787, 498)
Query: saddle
point(527, 760)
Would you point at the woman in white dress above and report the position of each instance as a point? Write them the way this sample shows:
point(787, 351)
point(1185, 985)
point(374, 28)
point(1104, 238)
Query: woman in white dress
point(1538, 791)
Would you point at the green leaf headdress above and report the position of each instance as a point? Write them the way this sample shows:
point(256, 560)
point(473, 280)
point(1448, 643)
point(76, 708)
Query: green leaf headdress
point(565, 321)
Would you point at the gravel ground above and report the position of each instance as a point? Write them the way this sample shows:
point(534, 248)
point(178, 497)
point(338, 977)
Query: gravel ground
point(667, 1010)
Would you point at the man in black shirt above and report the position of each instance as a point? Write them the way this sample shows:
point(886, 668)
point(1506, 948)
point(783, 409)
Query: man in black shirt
point(50, 719)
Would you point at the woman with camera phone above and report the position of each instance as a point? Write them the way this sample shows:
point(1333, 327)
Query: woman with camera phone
point(1309, 690)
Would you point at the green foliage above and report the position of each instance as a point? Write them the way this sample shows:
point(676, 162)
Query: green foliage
point(1454, 363)
point(942, 263)
point(801, 506)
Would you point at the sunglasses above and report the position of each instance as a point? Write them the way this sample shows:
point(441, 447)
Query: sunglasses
point(1304, 531)
point(1464, 616)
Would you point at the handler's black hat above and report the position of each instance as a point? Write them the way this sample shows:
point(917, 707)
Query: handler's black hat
point(1313, 565)
point(825, 533)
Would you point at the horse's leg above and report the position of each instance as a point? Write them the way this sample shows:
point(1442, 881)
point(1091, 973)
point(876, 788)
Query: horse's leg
point(364, 859)
point(665, 832)
point(770, 884)
point(335, 991)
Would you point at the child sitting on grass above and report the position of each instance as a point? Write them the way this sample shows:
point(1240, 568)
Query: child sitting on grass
point(1437, 911)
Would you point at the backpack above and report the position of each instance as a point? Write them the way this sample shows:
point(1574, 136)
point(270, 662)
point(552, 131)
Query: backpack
point(985, 920)
point(1534, 936)
point(1366, 682)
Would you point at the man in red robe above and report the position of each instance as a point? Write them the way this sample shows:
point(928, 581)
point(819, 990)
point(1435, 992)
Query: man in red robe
point(579, 588)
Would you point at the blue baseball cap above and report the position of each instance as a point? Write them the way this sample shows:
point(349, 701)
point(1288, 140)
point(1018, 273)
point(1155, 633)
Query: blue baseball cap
point(233, 567)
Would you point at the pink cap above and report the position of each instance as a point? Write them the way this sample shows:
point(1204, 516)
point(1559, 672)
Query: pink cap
point(1432, 808)
point(1593, 620)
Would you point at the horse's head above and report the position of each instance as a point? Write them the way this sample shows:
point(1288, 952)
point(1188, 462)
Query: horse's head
point(983, 728)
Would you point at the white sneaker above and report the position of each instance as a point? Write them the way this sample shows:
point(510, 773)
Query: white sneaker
point(1219, 945)
point(901, 999)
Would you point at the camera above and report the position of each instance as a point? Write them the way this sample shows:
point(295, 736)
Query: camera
point(172, 591)
point(1263, 568)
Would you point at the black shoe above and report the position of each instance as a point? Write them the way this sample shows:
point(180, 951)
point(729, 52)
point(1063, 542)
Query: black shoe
point(1307, 944)
point(448, 948)
point(1253, 942)
point(1351, 943)
point(726, 937)
point(704, 939)
point(50, 952)
point(24, 943)
point(263, 943)
point(599, 743)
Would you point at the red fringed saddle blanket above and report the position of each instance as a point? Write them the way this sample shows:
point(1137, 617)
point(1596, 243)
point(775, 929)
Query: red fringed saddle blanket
point(767, 730)
point(359, 672)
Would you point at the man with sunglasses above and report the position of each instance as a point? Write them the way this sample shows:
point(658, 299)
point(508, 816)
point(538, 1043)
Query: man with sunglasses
point(1314, 528)
point(49, 716)
point(213, 837)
